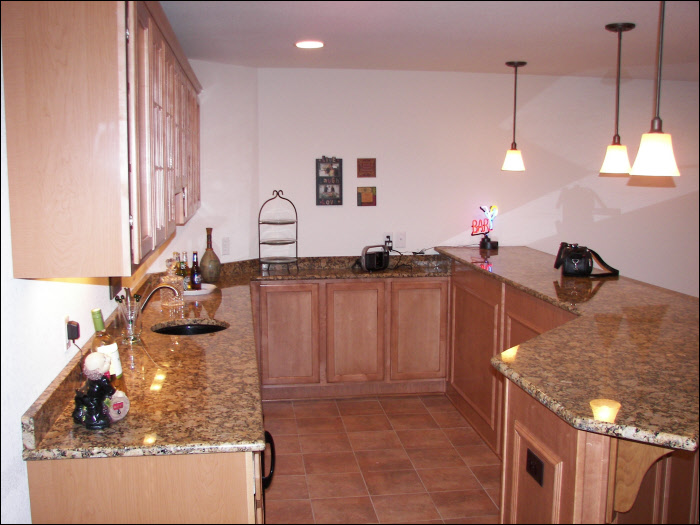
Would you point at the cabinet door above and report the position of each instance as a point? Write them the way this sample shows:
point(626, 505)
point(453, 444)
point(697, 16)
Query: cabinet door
point(476, 313)
point(418, 329)
point(65, 89)
point(289, 333)
point(355, 331)
point(527, 316)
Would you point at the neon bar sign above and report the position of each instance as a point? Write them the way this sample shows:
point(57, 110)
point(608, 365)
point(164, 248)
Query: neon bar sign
point(485, 225)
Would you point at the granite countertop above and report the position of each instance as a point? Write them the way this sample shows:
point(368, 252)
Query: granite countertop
point(633, 343)
point(189, 394)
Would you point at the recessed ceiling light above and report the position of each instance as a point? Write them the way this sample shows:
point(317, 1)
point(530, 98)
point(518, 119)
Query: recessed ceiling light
point(309, 44)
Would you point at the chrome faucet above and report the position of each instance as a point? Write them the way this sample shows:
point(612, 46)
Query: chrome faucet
point(159, 287)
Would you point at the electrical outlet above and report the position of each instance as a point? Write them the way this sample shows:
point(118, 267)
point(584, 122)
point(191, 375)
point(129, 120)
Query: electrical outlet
point(65, 332)
point(225, 246)
point(400, 240)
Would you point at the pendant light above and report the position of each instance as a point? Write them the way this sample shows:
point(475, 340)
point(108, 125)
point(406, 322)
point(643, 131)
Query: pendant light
point(514, 159)
point(616, 160)
point(655, 156)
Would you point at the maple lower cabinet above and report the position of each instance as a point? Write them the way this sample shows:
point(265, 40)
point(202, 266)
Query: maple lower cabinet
point(418, 341)
point(183, 488)
point(488, 317)
point(289, 333)
point(351, 337)
point(86, 113)
point(355, 328)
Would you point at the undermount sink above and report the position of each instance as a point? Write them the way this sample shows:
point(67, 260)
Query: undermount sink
point(189, 327)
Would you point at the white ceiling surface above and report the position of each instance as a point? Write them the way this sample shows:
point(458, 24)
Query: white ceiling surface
point(557, 38)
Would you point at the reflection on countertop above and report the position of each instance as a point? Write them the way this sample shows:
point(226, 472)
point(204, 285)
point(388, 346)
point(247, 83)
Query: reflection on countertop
point(633, 343)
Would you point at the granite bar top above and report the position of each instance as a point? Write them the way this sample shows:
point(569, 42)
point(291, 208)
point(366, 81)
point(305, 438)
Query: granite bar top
point(633, 343)
point(189, 394)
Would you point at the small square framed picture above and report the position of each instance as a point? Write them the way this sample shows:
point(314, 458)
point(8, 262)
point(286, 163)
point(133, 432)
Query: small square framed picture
point(366, 167)
point(367, 196)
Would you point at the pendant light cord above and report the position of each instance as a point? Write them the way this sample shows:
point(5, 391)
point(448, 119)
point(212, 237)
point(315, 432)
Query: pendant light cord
point(616, 137)
point(515, 97)
point(656, 121)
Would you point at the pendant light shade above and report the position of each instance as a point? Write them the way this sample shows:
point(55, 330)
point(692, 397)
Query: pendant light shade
point(514, 158)
point(616, 161)
point(655, 157)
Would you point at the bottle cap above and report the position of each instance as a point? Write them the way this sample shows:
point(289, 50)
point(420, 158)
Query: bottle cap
point(97, 319)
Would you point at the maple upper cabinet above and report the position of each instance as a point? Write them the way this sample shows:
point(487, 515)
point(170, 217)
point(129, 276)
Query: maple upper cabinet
point(85, 111)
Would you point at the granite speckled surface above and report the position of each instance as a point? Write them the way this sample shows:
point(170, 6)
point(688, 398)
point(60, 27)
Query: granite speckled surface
point(633, 343)
point(188, 394)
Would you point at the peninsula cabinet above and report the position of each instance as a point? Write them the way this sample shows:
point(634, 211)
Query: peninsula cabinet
point(345, 337)
point(92, 154)
point(554, 473)
point(488, 317)
point(185, 488)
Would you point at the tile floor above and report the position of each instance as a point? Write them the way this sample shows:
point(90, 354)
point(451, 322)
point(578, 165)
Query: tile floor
point(398, 459)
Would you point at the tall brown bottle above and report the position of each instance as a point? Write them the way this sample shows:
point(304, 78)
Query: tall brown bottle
point(196, 274)
point(210, 263)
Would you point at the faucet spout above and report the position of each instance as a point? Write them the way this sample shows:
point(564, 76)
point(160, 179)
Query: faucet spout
point(159, 287)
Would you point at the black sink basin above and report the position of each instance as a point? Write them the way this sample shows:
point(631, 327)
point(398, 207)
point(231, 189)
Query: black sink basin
point(189, 327)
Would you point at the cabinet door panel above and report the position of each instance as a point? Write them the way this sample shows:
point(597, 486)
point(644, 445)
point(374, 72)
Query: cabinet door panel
point(476, 303)
point(289, 333)
point(418, 329)
point(355, 331)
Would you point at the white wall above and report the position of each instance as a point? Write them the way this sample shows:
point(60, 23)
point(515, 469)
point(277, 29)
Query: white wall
point(440, 139)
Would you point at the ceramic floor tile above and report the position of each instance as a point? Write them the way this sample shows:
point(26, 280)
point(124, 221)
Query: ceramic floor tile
point(393, 482)
point(435, 457)
point(319, 425)
point(464, 504)
point(476, 520)
point(488, 475)
point(287, 487)
point(495, 495)
point(450, 419)
point(354, 407)
point(289, 465)
point(315, 408)
point(330, 463)
point(405, 508)
point(366, 423)
point(383, 460)
point(316, 443)
point(344, 510)
point(278, 409)
point(277, 427)
point(448, 479)
point(412, 421)
point(288, 511)
point(474, 455)
point(437, 403)
point(286, 444)
point(376, 440)
point(423, 438)
point(346, 485)
point(403, 405)
point(461, 437)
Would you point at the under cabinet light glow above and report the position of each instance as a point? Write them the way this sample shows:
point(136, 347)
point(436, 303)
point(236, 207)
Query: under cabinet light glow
point(309, 44)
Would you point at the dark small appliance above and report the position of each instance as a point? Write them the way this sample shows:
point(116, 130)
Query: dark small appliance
point(375, 258)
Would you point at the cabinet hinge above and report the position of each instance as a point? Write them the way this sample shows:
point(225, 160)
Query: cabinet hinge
point(127, 34)
point(131, 221)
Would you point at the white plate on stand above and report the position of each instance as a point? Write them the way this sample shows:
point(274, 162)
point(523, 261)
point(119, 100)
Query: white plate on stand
point(206, 289)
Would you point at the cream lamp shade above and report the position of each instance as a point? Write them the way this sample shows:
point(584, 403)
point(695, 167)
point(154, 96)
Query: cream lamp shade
point(513, 161)
point(616, 160)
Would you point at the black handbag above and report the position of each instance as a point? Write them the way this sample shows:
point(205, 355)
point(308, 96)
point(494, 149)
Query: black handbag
point(577, 261)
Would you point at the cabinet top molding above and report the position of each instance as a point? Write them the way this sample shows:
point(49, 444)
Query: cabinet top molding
point(633, 343)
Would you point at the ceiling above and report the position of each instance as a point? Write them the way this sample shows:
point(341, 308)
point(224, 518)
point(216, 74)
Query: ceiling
point(563, 38)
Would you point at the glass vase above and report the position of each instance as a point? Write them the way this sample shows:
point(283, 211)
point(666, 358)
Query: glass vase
point(209, 264)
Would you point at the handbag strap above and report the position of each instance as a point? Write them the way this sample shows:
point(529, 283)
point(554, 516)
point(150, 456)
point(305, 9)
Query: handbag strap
point(612, 272)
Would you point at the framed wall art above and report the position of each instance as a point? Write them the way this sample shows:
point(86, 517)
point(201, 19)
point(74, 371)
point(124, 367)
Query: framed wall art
point(366, 167)
point(367, 196)
point(329, 181)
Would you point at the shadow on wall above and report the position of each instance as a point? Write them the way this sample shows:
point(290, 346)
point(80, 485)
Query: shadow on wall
point(581, 208)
